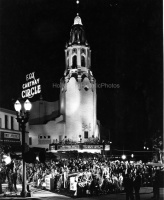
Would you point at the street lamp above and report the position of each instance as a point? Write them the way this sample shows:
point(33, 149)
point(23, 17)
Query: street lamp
point(22, 119)
point(103, 143)
point(123, 156)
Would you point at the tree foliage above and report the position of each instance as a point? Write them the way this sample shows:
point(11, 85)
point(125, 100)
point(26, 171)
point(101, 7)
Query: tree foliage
point(157, 145)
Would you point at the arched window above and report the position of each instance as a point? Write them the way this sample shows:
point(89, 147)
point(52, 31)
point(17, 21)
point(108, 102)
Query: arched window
point(74, 51)
point(76, 36)
point(83, 51)
point(74, 62)
point(82, 61)
point(85, 134)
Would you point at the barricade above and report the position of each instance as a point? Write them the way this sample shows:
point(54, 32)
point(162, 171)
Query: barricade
point(0, 187)
point(49, 183)
point(73, 183)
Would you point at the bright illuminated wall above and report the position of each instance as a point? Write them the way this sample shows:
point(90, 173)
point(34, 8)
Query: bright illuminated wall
point(72, 110)
point(79, 103)
point(77, 114)
point(9, 114)
point(52, 129)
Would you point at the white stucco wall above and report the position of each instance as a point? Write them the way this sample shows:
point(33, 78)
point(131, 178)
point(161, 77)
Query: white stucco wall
point(10, 114)
point(80, 109)
point(52, 129)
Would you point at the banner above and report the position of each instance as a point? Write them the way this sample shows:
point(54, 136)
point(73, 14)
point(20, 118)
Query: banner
point(67, 147)
point(48, 183)
point(73, 183)
point(76, 147)
point(92, 146)
point(12, 136)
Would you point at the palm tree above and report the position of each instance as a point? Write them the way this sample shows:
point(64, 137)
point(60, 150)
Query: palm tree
point(157, 145)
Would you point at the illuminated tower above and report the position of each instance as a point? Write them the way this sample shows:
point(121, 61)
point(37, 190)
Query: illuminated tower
point(78, 88)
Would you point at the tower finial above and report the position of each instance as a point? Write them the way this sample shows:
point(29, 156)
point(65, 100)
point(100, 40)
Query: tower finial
point(77, 20)
point(77, 3)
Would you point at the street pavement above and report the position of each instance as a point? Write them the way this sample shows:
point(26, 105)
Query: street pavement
point(146, 193)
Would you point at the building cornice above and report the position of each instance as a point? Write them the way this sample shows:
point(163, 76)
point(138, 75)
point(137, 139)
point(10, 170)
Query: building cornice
point(8, 111)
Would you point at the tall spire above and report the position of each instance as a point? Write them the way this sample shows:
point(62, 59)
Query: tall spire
point(77, 52)
point(77, 5)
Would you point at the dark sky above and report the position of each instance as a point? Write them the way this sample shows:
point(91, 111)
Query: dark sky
point(125, 37)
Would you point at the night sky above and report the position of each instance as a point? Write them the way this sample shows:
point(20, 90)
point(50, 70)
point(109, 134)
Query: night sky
point(125, 37)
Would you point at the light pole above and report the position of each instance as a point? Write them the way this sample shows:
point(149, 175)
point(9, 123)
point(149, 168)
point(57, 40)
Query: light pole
point(22, 119)
point(103, 143)
point(110, 143)
point(123, 156)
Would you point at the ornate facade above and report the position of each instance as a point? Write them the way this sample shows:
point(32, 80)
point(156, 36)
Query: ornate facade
point(77, 120)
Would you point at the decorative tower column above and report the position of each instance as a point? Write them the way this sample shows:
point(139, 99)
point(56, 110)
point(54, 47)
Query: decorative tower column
point(78, 87)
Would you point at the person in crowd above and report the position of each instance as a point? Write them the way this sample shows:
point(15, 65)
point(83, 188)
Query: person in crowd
point(137, 185)
point(128, 185)
point(94, 188)
point(14, 178)
point(95, 175)
point(105, 185)
point(115, 183)
point(35, 178)
point(0, 181)
point(10, 181)
point(120, 181)
point(20, 172)
point(156, 185)
point(100, 183)
point(110, 185)
point(30, 174)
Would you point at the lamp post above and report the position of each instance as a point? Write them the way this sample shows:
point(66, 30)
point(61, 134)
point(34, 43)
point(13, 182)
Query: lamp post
point(22, 119)
point(123, 156)
point(103, 143)
point(110, 143)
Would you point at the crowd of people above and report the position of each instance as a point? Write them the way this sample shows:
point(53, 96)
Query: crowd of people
point(91, 176)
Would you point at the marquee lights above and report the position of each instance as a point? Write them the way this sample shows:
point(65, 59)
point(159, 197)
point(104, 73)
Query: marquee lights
point(32, 87)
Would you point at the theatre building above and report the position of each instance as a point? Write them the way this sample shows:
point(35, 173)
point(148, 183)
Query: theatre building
point(72, 119)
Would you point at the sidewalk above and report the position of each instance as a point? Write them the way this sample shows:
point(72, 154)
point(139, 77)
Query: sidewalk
point(38, 193)
point(35, 192)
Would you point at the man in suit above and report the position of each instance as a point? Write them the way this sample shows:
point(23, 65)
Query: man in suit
point(137, 185)
point(128, 185)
